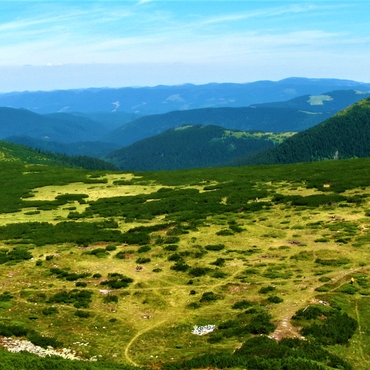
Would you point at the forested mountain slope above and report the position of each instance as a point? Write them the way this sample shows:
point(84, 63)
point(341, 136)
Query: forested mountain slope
point(10, 152)
point(242, 119)
point(190, 147)
point(345, 135)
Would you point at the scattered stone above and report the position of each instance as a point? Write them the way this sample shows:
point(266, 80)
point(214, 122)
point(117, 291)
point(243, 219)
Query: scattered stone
point(202, 330)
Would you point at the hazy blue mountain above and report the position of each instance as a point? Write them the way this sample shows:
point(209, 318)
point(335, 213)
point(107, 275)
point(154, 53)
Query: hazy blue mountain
point(293, 115)
point(60, 127)
point(332, 101)
point(95, 149)
point(162, 99)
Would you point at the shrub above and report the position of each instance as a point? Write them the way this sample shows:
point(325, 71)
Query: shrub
point(110, 248)
point(241, 305)
point(50, 311)
point(120, 255)
point(214, 247)
point(171, 247)
point(208, 297)
point(144, 248)
point(267, 289)
point(261, 324)
point(193, 305)
point(180, 266)
point(224, 232)
point(198, 271)
point(81, 284)
point(142, 260)
point(82, 314)
point(275, 299)
point(110, 298)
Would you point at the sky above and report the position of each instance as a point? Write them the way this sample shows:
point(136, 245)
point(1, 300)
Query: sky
point(48, 45)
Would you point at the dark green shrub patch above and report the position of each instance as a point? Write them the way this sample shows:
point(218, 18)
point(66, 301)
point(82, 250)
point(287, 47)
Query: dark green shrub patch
point(332, 262)
point(79, 298)
point(120, 255)
point(144, 248)
point(50, 311)
point(30, 334)
point(81, 284)
point(261, 324)
point(110, 298)
point(142, 260)
point(117, 281)
point(241, 305)
point(6, 297)
point(175, 257)
point(208, 297)
point(171, 247)
point(338, 328)
point(275, 299)
point(97, 252)
point(215, 247)
point(349, 289)
point(218, 274)
point(82, 314)
point(224, 232)
point(17, 254)
point(180, 266)
point(70, 276)
point(42, 233)
point(198, 271)
point(219, 262)
point(267, 289)
point(110, 248)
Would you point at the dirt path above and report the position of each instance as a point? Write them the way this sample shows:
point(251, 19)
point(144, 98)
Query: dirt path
point(135, 337)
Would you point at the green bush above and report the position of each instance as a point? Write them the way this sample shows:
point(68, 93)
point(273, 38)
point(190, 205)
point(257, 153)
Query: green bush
point(275, 299)
point(241, 305)
point(214, 247)
point(82, 314)
point(110, 298)
point(142, 260)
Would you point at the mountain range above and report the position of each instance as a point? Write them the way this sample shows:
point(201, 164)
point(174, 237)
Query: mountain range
point(162, 99)
point(156, 141)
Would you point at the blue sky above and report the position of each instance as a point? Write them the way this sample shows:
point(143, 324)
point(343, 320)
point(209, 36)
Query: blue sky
point(47, 45)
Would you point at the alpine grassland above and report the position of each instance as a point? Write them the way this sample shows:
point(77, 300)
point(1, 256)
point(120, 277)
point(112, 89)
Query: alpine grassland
point(121, 267)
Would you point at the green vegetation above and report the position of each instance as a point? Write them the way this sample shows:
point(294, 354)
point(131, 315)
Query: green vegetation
point(141, 261)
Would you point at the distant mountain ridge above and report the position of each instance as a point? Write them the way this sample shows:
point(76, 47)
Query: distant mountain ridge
point(297, 114)
point(162, 99)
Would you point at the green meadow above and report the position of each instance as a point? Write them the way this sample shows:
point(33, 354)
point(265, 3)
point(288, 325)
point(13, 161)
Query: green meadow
point(122, 266)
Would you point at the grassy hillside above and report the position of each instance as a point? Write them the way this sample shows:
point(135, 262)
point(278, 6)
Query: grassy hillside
point(191, 147)
point(346, 135)
point(121, 266)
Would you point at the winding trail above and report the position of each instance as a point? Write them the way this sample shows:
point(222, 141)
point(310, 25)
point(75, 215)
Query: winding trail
point(135, 337)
